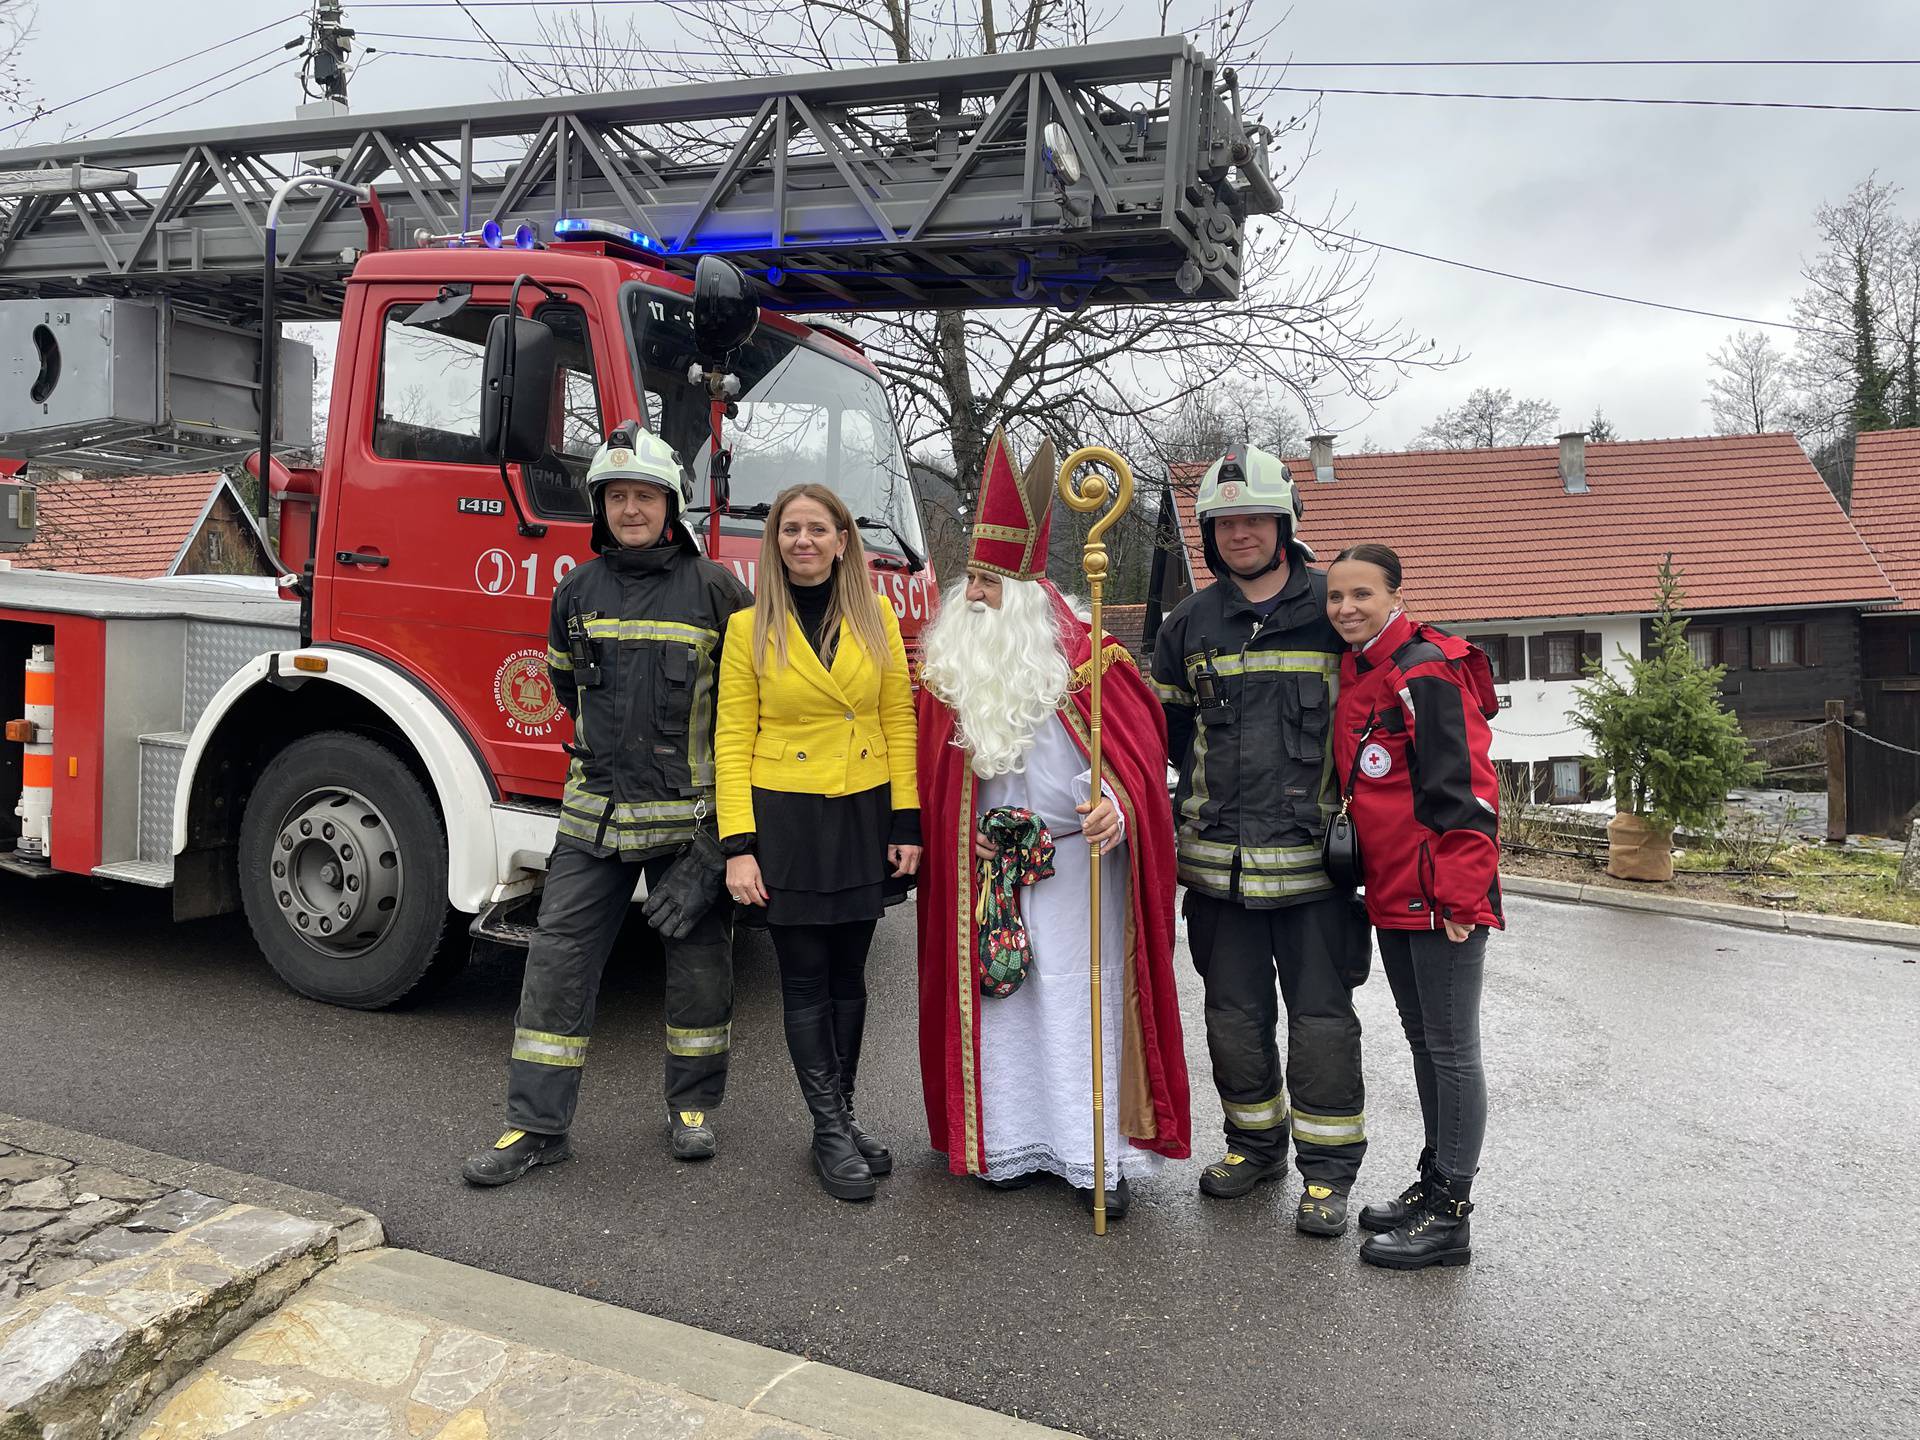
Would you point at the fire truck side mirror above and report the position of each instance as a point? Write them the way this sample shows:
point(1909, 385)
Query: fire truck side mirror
point(516, 393)
point(724, 310)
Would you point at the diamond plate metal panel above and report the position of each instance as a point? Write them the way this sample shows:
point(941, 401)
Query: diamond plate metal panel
point(159, 773)
point(214, 652)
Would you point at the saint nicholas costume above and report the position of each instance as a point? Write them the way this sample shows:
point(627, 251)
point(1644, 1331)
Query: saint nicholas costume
point(1007, 1076)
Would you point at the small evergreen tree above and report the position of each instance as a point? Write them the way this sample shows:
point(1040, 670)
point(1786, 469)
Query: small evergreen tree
point(1672, 750)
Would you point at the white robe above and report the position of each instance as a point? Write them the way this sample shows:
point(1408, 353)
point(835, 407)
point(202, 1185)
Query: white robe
point(1035, 1057)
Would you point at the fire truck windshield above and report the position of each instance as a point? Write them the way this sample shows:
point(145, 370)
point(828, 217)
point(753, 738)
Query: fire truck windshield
point(804, 416)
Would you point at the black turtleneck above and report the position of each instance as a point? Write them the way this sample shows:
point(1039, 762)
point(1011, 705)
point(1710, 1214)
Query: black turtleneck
point(810, 607)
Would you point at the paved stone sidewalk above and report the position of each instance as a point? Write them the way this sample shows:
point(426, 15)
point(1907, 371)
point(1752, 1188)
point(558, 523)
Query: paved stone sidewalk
point(392, 1345)
point(58, 1219)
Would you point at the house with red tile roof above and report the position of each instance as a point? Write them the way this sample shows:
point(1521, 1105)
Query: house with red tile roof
point(1883, 787)
point(1547, 555)
point(144, 526)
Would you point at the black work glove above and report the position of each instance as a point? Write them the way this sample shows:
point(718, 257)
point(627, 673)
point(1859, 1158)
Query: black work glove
point(688, 889)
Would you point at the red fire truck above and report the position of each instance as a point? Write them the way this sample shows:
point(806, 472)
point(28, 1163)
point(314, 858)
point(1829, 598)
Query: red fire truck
point(369, 763)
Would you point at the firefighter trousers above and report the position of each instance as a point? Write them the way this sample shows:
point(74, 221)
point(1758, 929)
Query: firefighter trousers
point(586, 901)
point(1316, 948)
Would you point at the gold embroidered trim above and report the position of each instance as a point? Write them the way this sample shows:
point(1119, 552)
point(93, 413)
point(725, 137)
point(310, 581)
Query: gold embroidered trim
point(963, 907)
point(1111, 654)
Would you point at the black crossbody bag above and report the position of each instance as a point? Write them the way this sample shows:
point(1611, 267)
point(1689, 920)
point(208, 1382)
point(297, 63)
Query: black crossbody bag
point(1340, 851)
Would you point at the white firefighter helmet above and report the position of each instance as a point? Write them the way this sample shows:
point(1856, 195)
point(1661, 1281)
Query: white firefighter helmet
point(632, 453)
point(1248, 481)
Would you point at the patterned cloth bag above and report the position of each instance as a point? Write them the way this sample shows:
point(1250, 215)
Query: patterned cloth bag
point(1024, 856)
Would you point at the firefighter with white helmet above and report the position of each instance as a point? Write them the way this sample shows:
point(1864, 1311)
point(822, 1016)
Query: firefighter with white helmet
point(1247, 670)
point(633, 647)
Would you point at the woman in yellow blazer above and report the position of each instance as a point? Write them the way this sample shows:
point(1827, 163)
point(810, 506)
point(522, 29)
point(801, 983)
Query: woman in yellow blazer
point(819, 812)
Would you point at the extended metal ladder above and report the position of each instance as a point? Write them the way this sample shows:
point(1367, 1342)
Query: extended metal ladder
point(1113, 173)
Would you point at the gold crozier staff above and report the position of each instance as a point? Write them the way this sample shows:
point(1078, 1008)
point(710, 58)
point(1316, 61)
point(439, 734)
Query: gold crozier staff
point(1089, 495)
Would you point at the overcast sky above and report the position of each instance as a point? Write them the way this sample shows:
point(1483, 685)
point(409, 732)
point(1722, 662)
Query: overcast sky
point(1702, 207)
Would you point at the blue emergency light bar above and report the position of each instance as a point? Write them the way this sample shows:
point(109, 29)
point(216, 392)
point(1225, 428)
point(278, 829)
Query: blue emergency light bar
point(572, 229)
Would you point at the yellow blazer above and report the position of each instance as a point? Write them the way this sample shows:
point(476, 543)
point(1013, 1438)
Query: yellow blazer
point(803, 728)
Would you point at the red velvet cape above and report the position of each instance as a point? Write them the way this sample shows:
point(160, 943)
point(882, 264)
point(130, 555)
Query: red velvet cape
point(1133, 746)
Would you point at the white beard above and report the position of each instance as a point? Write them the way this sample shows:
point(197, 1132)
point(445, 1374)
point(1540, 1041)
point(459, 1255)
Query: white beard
point(1002, 672)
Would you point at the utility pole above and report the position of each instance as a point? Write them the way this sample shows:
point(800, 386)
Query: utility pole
point(327, 54)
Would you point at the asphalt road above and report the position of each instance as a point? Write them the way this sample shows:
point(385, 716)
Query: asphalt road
point(1698, 1202)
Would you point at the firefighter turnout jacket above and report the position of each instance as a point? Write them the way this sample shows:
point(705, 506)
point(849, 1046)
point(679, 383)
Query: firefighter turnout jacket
point(634, 644)
point(1249, 704)
point(1412, 731)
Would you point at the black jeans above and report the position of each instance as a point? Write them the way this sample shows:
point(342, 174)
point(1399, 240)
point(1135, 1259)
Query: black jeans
point(822, 963)
point(1436, 985)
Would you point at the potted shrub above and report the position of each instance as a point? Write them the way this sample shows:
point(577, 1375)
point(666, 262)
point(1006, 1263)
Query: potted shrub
point(1672, 749)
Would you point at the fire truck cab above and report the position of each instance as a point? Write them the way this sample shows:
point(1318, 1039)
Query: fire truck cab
point(366, 762)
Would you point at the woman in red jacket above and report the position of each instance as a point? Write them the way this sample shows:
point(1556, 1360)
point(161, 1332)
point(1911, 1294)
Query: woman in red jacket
point(1411, 746)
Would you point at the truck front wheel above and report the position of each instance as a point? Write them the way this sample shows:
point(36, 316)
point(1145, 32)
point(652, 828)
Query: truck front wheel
point(343, 871)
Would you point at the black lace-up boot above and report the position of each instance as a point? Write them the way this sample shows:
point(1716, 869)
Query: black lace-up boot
point(1439, 1234)
point(1392, 1214)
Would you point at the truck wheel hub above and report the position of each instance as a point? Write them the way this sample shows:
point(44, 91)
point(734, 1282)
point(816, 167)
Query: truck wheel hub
point(336, 872)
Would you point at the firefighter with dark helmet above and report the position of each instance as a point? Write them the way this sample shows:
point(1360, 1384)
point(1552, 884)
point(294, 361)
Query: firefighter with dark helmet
point(1247, 670)
point(633, 647)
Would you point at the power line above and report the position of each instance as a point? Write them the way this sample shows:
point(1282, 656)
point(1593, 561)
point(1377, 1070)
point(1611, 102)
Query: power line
point(121, 84)
point(700, 72)
point(188, 105)
point(1322, 230)
point(185, 89)
point(598, 4)
point(464, 10)
point(1585, 99)
point(1576, 64)
point(583, 47)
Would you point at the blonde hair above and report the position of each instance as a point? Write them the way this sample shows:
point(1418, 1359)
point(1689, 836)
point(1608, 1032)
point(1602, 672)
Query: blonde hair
point(852, 598)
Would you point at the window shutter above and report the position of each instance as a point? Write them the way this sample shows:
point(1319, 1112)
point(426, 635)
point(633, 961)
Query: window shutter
point(1537, 656)
point(1810, 643)
point(1594, 781)
point(1589, 647)
point(1516, 657)
point(1757, 639)
point(1733, 647)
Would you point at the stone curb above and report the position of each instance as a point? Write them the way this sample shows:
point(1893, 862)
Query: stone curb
point(357, 1229)
point(751, 1378)
point(1753, 917)
point(82, 1359)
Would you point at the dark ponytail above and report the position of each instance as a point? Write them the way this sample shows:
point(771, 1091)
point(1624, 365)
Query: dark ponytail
point(1373, 554)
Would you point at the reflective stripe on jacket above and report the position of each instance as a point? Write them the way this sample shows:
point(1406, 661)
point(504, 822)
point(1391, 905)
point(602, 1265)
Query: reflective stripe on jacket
point(1255, 787)
point(1412, 730)
point(634, 646)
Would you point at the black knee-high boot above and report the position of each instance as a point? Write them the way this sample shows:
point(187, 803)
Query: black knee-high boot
point(849, 1024)
point(844, 1173)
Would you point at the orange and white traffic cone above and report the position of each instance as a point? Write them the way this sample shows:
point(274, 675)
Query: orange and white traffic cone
point(35, 730)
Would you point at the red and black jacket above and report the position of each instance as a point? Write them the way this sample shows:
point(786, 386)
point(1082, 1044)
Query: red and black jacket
point(1411, 730)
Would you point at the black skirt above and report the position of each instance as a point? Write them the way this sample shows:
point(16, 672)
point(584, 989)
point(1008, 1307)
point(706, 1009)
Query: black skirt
point(823, 858)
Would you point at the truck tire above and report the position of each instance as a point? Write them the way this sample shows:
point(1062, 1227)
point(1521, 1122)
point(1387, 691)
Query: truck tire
point(343, 872)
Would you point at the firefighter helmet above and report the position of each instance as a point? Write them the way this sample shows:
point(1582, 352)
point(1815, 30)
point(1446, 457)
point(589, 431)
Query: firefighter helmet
point(632, 453)
point(1248, 481)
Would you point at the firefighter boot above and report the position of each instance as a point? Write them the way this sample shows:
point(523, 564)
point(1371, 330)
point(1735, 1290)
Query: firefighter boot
point(849, 1025)
point(843, 1171)
point(1323, 1209)
point(1237, 1174)
point(692, 1132)
point(1392, 1214)
point(512, 1155)
point(1439, 1234)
